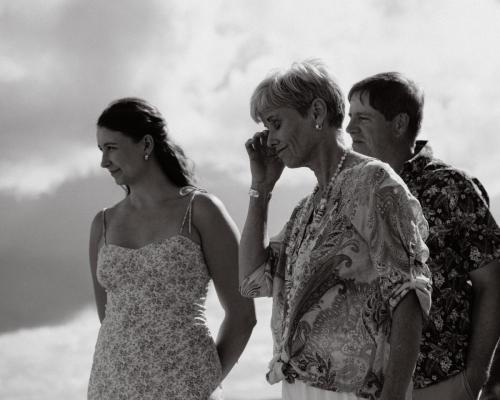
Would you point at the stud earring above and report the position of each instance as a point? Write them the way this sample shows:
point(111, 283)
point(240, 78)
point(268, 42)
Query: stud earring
point(146, 157)
point(318, 126)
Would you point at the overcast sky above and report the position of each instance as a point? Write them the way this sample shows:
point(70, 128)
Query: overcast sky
point(63, 61)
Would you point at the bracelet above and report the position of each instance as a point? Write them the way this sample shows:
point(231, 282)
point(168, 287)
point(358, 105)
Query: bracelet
point(256, 194)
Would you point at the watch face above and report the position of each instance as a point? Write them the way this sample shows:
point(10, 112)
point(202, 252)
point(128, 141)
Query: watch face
point(257, 194)
point(253, 193)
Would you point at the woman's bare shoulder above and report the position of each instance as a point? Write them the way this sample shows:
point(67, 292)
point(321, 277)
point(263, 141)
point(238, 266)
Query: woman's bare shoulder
point(104, 215)
point(207, 205)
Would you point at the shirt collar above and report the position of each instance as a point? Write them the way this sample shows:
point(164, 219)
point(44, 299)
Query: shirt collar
point(422, 156)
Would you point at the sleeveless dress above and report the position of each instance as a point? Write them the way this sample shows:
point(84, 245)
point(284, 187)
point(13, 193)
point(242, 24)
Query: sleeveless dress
point(153, 342)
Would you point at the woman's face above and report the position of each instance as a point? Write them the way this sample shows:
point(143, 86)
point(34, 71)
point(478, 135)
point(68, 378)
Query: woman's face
point(121, 156)
point(290, 135)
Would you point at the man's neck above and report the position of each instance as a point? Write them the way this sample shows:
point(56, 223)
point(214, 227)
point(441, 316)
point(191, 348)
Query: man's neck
point(404, 152)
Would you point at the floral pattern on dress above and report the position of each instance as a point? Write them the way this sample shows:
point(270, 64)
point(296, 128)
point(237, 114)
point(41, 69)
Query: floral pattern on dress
point(153, 342)
point(334, 289)
point(463, 236)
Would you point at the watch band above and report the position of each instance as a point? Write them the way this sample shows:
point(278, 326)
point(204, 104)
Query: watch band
point(256, 194)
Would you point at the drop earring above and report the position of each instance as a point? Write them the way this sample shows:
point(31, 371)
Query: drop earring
point(318, 126)
point(146, 157)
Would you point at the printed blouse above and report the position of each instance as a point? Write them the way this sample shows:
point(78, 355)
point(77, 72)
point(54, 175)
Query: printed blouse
point(335, 285)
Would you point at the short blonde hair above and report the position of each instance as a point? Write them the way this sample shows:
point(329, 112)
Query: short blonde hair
point(296, 88)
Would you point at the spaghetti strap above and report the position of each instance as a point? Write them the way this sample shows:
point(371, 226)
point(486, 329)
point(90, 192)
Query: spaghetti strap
point(104, 225)
point(192, 191)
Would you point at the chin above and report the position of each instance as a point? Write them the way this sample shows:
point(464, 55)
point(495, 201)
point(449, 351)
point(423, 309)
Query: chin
point(119, 180)
point(360, 148)
point(292, 164)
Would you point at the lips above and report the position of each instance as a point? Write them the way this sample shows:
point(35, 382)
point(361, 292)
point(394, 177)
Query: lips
point(357, 142)
point(114, 171)
point(278, 151)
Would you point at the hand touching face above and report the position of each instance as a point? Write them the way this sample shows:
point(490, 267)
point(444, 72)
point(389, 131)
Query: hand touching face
point(265, 166)
point(290, 135)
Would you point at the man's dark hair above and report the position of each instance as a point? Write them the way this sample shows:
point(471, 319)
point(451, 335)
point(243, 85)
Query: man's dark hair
point(391, 93)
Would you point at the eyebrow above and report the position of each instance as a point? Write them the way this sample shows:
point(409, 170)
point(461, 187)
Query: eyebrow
point(362, 113)
point(271, 118)
point(106, 144)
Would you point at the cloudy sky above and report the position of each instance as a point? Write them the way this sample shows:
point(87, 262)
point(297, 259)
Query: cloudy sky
point(63, 61)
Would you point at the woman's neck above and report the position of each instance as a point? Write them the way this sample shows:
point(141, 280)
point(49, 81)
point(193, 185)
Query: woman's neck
point(327, 157)
point(154, 188)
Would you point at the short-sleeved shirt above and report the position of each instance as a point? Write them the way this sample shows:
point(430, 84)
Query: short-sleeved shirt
point(335, 285)
point(463, 236)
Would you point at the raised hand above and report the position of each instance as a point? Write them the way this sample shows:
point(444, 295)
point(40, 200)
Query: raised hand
point(266, 167)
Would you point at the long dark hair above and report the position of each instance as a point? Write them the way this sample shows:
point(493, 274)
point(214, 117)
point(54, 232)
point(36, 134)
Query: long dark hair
point(136, 118)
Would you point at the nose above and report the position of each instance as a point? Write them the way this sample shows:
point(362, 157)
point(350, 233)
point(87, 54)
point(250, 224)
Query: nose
point(351, 127)
point(271, 140)
point(104, 160)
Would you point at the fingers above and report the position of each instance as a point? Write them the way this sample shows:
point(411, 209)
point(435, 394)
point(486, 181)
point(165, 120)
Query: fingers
point(249, 147)
point(258, 143)
point(261, 137)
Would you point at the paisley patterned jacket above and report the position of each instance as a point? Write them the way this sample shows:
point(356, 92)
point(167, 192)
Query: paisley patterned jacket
point(335, 287)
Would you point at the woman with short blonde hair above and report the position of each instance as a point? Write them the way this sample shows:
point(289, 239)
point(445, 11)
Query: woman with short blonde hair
point(347, 274)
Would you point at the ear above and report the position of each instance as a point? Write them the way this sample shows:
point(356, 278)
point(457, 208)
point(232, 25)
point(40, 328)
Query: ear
point(318, 113)
point(149, 144)
point(400, 124)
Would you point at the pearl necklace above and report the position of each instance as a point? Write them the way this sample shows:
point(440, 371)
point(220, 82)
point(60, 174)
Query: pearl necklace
point(298, 231)
point(320, 211)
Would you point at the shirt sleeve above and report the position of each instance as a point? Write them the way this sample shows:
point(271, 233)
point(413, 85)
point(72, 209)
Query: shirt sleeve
point(260, 282)
point(462, 227)
point(392, 223)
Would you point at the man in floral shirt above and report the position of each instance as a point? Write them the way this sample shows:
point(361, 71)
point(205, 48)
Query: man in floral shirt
point(464, 239)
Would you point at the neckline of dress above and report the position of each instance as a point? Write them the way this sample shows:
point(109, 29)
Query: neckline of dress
point(154, 242)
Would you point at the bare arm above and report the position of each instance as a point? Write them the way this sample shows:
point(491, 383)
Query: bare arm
point(406, 330)
point(94, 245)
point(219, 239)
point(254, 239)
point(485, 325)
point(491, 390)
point(266, 169)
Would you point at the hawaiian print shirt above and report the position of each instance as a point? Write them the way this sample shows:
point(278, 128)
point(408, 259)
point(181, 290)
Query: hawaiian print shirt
point(463, 236)
point(335, 286)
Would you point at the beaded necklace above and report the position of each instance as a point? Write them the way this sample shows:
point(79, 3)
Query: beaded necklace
point(299, 230)
point(319, 213)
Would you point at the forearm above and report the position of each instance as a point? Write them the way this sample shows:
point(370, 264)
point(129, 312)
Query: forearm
point(254, 239)
point(231, 341)
point(100, 300)
point(485, 334)
point(491, 390)
point(405, 343)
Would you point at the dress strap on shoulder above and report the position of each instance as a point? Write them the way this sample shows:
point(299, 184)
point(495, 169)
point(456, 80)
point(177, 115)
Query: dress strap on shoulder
point(191, 191)
point(104, 225)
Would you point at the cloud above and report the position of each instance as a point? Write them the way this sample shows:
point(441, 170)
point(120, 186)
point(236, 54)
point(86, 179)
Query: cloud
point(54, 362)
point(38, 175)
point(43, 257)
point(63, 61)
point(45, 277)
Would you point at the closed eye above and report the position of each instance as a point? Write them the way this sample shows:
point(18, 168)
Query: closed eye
point(275, 123)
